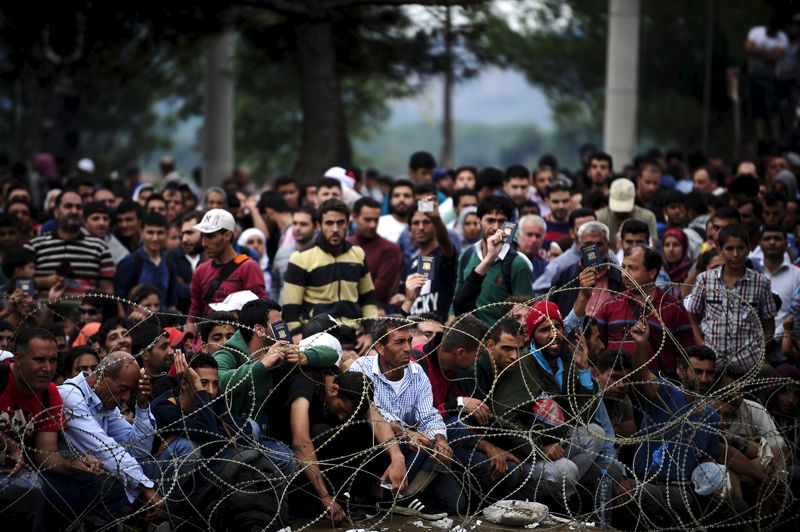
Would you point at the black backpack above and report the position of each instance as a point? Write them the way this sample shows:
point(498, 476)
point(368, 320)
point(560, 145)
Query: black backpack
point(507, 264)
point(248, 494)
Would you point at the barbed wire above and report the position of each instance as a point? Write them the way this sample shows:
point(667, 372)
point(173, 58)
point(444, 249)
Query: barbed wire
point(769, 505)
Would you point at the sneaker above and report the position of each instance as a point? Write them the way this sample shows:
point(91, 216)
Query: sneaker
point(416, 508)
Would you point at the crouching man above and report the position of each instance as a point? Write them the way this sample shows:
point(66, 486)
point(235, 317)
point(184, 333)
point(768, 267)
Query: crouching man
point(96, 427)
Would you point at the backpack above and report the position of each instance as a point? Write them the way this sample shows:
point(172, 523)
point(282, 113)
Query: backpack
point(249, 493)
point(507, 264)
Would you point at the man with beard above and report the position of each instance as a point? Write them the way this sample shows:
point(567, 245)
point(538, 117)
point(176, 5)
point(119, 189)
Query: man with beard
point(508, 274)
point(331, 277)
point(304, 226)
point(430, 239)
point(463, 402)
point(83, 261)
point(600, 172)
point(227, 272)
point(151, 344)
point(540, 394)
point(558, 226)
point(384, 258)
point(186, 258)
point(401, 199)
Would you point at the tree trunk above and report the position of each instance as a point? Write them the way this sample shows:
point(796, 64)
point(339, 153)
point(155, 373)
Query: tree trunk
point(447, 90)
point(218, 152)
point(324, 141)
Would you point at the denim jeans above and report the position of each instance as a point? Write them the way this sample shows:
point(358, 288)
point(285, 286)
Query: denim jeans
point(21, 501)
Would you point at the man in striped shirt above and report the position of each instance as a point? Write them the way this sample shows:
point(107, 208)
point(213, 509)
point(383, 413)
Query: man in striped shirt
point(331, 277)
point(82, 262)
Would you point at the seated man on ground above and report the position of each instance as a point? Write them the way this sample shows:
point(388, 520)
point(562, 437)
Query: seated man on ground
point(31, 415)
point(95, 426)
point(404, 397)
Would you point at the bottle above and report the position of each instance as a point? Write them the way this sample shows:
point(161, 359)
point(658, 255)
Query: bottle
point(603, 500)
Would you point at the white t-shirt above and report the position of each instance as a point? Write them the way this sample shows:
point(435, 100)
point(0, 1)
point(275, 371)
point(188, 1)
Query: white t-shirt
point(757, 66)
point(389, 228)
point(397, 384)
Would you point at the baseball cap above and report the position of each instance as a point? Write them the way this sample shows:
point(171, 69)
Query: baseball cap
point(176, 336)
point(216, 220)
point(234, 301)
point(622, 195)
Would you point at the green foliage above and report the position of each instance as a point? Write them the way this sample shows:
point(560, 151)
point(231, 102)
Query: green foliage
point(81, 79)
point(382, 54)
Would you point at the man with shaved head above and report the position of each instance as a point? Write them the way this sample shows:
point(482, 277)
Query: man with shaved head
point(95, 426)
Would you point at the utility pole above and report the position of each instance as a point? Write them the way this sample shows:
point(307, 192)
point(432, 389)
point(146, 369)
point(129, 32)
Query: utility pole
point(218, 110)
point(622, 81)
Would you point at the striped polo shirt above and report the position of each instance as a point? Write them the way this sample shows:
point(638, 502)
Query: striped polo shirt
point(88, 257)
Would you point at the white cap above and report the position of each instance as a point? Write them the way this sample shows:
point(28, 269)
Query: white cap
point(216, 220)
point(320, 339)
point(234, 301)
point(622, 195)
point(86, 165)
point(341, 175)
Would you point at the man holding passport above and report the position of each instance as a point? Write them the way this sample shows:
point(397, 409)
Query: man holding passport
point(430, 272)
point(511, 272)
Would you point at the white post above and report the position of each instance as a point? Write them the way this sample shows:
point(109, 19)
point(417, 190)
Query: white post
point(622, 81)
point(218, 110)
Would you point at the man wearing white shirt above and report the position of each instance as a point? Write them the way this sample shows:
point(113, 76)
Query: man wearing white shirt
point(404, 398)
point(765, 46)
point(95, 426)
point(401, 199)
point(782, 274)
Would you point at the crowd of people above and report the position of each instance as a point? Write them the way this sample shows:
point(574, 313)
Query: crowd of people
point(619, 345)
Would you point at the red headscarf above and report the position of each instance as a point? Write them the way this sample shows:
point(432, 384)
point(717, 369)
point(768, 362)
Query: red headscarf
point(677, 271)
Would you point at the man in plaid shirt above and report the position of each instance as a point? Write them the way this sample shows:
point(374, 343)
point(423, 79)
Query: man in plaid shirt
point(731, 306)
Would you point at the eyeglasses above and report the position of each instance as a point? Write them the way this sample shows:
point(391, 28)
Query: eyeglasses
point(90, 310)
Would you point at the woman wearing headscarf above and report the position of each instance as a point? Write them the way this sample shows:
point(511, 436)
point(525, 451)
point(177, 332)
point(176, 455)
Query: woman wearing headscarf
point(470, 236)
point(256, 240)
point(675, 254)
